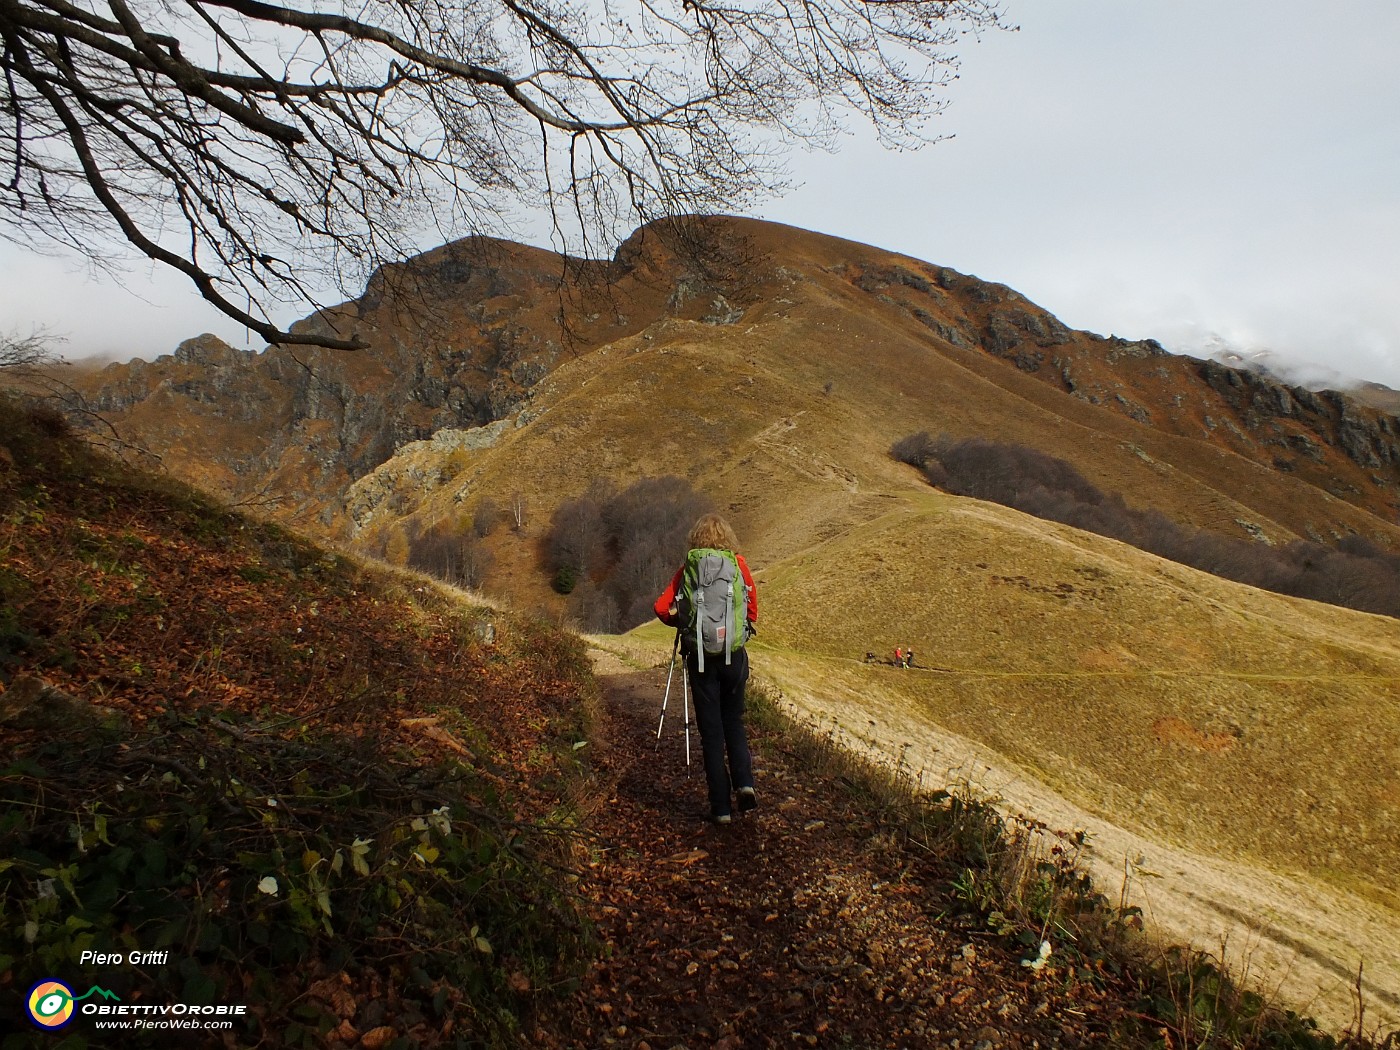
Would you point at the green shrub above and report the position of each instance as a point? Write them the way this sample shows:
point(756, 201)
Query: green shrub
point(261, 863)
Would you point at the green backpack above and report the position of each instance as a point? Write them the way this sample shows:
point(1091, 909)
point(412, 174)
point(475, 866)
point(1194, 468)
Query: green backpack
point(714, 601)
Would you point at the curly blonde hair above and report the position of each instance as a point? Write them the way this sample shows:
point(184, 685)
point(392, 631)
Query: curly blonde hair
point(712, 531)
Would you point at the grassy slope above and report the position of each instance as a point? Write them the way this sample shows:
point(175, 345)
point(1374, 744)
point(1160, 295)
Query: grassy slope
point(1197, 710)
point(266, 710)
point(1202, 710)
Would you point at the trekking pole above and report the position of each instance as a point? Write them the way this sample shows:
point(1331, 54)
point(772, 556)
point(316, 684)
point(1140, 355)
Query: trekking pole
point(685, 710)
point(667, 697)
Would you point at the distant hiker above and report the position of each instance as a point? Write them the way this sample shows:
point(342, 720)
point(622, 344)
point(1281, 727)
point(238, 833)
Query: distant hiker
point(908, 657)
point(712, 601)
point(898, 656)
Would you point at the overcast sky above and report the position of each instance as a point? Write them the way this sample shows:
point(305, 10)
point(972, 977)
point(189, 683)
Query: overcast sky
point(1191, 171)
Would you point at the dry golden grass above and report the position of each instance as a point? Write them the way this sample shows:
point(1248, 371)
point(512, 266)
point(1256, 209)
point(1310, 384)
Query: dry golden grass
point(1191, 708)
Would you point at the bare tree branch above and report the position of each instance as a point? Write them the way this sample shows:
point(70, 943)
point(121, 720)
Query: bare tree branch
point(263, 148)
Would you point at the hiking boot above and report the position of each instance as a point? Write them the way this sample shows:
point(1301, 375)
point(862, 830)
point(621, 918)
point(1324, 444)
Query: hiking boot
point(722, 818)
point(747, 799)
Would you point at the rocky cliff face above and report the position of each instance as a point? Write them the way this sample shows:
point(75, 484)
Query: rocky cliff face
point(1348, 445)
point(459, 338)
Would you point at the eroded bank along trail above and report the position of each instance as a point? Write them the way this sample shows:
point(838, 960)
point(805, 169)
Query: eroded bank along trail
point(799, 925)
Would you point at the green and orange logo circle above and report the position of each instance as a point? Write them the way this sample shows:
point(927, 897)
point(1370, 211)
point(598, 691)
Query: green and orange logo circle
point(51, 1004)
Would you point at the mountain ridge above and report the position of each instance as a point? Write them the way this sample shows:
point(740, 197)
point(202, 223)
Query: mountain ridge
point(498, 318)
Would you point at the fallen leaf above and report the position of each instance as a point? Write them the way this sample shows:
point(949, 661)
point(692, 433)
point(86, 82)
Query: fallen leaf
point(687, 858)
point(377, 1038)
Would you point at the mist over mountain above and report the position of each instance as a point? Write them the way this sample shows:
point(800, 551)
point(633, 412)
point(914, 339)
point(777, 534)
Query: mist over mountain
point(1288, 370)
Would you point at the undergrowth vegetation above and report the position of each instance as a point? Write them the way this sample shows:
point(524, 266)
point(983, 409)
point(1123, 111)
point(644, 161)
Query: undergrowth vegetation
point(332, 793)
point(1355, 573)
point(1027, 884)
point(614, 551)
point(455, 556)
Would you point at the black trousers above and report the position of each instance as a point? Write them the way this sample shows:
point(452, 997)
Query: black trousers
point(718, 693)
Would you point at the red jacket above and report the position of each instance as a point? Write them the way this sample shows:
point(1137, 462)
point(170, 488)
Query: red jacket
point(668, 596)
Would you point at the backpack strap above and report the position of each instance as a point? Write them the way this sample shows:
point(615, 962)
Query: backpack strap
point(699, 600)
point(729, 618)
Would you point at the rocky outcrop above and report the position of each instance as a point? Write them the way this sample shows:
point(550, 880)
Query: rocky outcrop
point(1368, 437)
point(1247, 409)
point(457, 339)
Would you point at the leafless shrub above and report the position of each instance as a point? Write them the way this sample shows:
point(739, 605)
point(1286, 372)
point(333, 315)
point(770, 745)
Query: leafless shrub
point(593, 609)
point(936, 473)
point(21, 354)
point(916, 449)
point(653, 507)
point(622, 547)
point(488, 515)
point(456, 556)
point(1010, 473)
point(575, 542)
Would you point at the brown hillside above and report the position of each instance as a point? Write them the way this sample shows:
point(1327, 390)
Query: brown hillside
point(463, 335)
point(787, 412)
point(1193, 711)
point(1116, 679)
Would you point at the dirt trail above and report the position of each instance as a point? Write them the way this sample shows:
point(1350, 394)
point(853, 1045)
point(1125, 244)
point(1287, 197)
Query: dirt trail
point(796, 926)
point(1299, 941)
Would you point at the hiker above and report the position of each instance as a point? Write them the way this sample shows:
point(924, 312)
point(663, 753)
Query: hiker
point(898, 656)
point(908, 657)
point(700, 604)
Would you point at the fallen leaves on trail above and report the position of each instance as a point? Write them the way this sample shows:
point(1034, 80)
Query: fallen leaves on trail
point(799, 925)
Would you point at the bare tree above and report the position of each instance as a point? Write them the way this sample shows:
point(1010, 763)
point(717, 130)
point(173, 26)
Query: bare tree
point(259, 148)
point(519, 511)
point(31, 368)
point(488, 515)
point(22, 355)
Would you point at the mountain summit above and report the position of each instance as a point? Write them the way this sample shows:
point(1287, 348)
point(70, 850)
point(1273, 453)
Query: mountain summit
point(462, 336)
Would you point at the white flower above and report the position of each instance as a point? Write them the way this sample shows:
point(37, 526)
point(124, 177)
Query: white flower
point(1038, 963)
point(268, 885)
